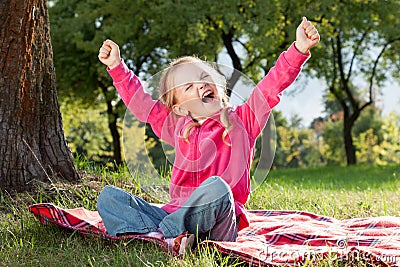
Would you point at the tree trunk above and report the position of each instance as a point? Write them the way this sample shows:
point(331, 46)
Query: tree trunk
point(267, 149)
point(349, 147)
point(116, 137)
point(112, 119)
point(32, 142)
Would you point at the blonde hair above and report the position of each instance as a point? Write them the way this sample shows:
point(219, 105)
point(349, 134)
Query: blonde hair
point(167, 91)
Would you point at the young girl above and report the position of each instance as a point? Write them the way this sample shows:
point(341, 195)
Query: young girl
point(214, 145)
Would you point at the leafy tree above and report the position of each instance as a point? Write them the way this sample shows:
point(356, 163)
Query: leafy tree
point(290, 145)
point(333, 150)
point(380, 145)
point(86, 130)
point(251, 33)
point(371, 118)
point(389, 152)
point(299, 147)
point(367, 147)
point(359, 48)
point(313, 149)
point(79, 28)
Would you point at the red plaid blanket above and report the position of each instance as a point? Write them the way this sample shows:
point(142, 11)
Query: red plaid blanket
point(276, 238)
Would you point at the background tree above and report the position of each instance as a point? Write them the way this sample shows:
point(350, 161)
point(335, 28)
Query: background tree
point(32, 142)
point(79, 28)
point(359, 50)
point(88, 132)
point(389, 148)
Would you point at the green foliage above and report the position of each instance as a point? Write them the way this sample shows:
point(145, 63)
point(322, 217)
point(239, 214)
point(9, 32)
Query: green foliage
point(76, 68)
point(289, 146)
point(86, 130)
point(376, 139)
point(383, 149)
point(78, 30)
point(390, 146)
point(368, 148)
point(298, 148)
point(371, 118)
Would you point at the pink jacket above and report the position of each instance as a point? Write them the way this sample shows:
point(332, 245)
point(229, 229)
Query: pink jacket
point(206, 154)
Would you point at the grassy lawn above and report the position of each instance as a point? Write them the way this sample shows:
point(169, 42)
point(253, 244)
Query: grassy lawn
point(340, 192)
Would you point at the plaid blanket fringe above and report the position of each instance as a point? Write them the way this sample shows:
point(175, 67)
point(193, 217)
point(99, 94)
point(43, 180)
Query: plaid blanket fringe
point(274, 238)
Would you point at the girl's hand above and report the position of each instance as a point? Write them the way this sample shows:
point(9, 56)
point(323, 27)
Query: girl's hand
point(109, 54)
point(307, 36)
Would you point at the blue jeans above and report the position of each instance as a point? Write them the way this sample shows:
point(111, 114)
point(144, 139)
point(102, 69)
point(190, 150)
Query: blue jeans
point(209, 212)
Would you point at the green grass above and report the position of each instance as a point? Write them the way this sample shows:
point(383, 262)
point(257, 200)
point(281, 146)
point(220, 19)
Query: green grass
point(340, 192)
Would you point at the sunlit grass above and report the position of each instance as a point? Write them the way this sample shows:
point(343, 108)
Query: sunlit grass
point(340, 192)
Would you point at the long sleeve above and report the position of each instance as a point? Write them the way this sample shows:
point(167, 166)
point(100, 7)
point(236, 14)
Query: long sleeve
point(141, 104)
point(256, 110)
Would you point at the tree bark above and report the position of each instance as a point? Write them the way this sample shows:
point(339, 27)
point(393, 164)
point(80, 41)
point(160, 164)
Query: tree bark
point(116, 137)
point(112, 119)
point(267, 149)
point(32, 142)
point(349, 147)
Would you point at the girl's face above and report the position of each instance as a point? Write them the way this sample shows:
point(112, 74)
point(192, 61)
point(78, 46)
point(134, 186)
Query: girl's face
point(195, 93)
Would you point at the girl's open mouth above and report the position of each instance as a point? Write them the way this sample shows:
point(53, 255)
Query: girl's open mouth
point(208, 97)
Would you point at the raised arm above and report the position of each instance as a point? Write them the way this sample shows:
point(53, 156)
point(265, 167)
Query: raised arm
point(255, 112)
point(131, 91)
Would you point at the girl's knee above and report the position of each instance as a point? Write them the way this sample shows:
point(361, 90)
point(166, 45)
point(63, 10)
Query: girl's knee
point(108, 190)
point(216, 185)
point(216, 182)
point(107, 196)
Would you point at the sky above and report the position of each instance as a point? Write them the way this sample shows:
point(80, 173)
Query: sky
point(305, 97)
point(308, 102)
